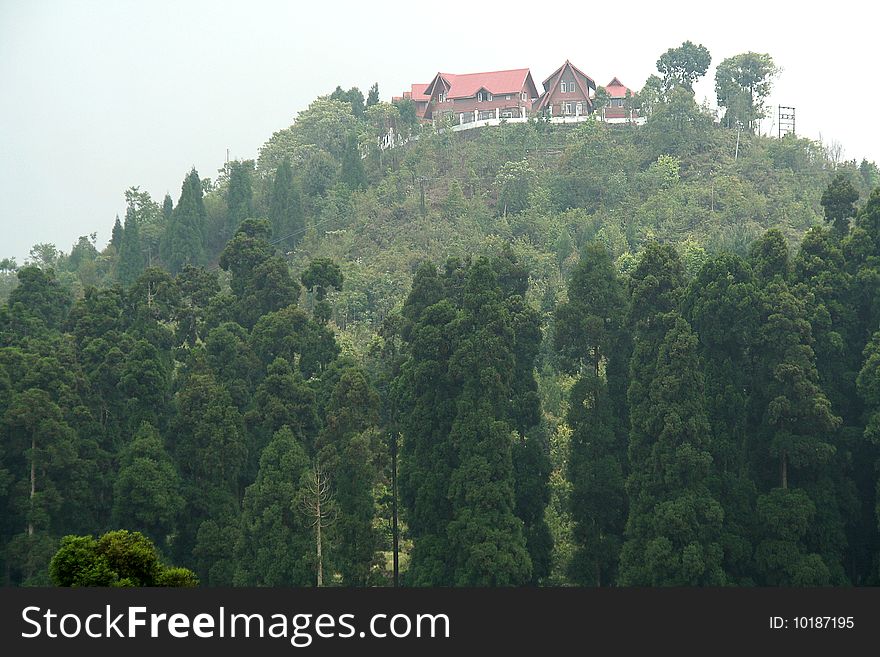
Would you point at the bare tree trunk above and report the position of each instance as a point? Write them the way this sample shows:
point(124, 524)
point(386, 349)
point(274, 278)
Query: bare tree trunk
point(33, 481)
point(783, 467)
point(318, 534)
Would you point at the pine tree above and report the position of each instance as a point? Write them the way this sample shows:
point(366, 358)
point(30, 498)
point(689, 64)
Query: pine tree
point(239, 196)
point(184, 241)
point(116, 234)
point(146, 492)
point(722, 306)
point(373, 95)
point(587, 336)
point(131, 257)
point(285, 207)
point(274, 547)
point(167, 208)
point(674, 527)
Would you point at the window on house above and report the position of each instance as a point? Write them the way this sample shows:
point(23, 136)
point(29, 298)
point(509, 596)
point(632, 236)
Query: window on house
point(480, 97)
point(523, 95)
point(568, 109)
point(488, 96)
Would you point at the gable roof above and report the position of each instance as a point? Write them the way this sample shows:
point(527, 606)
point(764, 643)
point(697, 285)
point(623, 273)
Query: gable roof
point(591, 84)
point(417, 93)
point(553, 80)
point(616, 89)
point(495, 82)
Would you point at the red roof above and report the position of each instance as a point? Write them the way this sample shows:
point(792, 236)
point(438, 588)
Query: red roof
point(495, 82)
point(616, 89)
point(417, 92)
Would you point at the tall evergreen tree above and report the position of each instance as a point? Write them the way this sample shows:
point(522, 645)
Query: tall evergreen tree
point(184, 241)
point(674, 527)
point(587, 337)
point(274, 546)
point(239, 195)
point(131, 256)
point(286, 208)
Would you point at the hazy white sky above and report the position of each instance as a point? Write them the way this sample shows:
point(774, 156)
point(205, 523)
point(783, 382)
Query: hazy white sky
point(99, 96)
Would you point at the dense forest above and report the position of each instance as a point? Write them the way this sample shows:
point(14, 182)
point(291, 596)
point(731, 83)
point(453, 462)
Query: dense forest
point(531, 354)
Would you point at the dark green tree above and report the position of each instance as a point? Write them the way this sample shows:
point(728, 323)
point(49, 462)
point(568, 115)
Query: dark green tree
point(838, 202)
point(286, 208)
point(119, 559)
point(352, 173)
point(275, 545)
point(684, 65)
point(184, 240)
point(146, 491)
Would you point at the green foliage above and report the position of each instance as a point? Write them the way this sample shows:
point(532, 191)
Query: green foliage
point(118, 559)
point(684, 65)
point(184, 240)
point(285, 207)
point(838, 201)
point(742, 84)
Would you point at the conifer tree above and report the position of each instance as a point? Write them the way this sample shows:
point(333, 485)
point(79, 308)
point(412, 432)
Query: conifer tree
point(131, 257)
point(116, 234)
point(274, 547)
point(674, 526)
point(587, 336)
point(286, 208)
point(239, 195)
point(184, 241)
point(146, 492)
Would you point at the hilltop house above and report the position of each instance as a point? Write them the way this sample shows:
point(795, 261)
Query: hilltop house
point(477, 99)
point(566, 93)
point(617, 110)
point(481, 96)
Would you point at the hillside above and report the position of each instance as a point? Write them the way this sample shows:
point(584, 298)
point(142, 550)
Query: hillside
point(580, 355)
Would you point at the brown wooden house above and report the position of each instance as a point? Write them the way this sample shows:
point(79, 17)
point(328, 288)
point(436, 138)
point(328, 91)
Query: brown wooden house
point(618, 108)
point(481, 96)
point(566, 93)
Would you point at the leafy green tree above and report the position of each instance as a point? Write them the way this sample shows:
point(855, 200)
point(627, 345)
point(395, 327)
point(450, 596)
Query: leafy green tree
point(40, 295)
point(514, 183)
point(742, 83)
point(684, 65)
point(352, 173)
point(587, 339)
point(290, 334)
point(119, 559)
point(320, 276)
point(211, 451)
point(838, 202)
point(167, 207)
point(353, 96)
point(349, 457)
point(722, 304)
point(769, 257)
